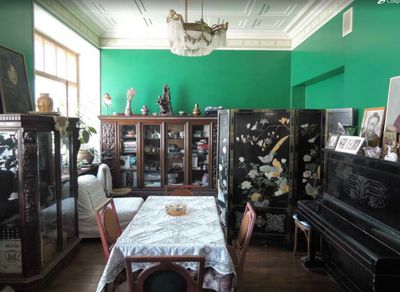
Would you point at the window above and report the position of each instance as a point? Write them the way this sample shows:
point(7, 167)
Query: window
point(56, 73)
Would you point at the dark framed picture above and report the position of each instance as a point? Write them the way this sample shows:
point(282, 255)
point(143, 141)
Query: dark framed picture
point(340, 121)
point(372, 125)
point(14, 88)
point(332, 141)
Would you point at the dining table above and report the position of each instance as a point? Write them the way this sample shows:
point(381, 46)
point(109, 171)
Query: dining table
point(153, 232)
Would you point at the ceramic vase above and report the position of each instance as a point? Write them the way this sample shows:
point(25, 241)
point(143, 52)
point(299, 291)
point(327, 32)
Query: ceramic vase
point(44, 103)
point(196, 110)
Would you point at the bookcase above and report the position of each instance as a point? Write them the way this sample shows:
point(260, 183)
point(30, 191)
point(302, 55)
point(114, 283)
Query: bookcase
point(159, 153)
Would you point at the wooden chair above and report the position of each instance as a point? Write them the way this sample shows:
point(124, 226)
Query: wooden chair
point(109, 227)
point(166, 275)
point(306, 228)
point(239, 249)
point(178, 191)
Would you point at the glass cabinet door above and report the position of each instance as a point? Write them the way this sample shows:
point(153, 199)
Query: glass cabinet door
point(200, 142)
point(47, 196)
point(67, 192)
point(128, 156)
point(151, 156)
point(175, 154)
point(10, 238)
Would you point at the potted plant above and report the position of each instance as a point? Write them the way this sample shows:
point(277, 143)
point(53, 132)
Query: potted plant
point(85, 154)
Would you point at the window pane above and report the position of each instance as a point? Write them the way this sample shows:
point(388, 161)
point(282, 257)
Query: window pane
point(61, 63)
point(72, 101)
point(49, 58)
point(57, 91)
point(39, 53)
point(72, 65)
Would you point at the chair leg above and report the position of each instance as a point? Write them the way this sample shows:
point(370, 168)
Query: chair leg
point(295, 239)
point(308, 236)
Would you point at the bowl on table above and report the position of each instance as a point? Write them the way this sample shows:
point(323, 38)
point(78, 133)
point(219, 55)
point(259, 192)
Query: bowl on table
point(176, 209)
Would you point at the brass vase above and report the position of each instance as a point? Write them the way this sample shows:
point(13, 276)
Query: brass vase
point(44, 103)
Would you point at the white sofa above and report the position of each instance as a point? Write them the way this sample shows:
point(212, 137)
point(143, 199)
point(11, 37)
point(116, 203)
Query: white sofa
point(90, 196)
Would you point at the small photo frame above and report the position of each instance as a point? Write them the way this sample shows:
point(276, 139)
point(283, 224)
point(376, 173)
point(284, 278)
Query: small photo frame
point(14, 89)
point(372, 123)
point(349, 144)
point(332, 141)
point(392, 120)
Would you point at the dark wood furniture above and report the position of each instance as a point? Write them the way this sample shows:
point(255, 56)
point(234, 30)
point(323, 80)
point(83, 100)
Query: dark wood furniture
point(357, 216)
point(148, 153)
point(109, 227)
point(238, 251)
point(38, 218)
point(270, 158)
point(165, 275)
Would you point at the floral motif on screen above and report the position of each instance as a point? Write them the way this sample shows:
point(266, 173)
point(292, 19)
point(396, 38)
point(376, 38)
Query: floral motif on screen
point(310, 135)
point(275, 222)
point(268, 172)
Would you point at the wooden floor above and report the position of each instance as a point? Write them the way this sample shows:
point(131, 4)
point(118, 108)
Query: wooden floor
point(268, 268)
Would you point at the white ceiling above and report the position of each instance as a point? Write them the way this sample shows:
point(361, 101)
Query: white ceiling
point(253, 24)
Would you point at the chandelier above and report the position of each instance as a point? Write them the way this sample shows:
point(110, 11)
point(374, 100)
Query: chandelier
point(194, 39)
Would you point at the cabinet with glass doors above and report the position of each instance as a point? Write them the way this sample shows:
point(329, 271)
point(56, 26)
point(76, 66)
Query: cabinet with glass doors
point(160, 153)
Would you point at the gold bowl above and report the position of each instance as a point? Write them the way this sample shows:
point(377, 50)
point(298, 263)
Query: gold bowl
point(178, 209)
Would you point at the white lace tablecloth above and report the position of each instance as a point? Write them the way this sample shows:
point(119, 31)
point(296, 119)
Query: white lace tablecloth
point(153, 232)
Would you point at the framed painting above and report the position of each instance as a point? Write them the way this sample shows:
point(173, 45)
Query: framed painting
point(372, 125)
point(392, 120)
point(14, 88)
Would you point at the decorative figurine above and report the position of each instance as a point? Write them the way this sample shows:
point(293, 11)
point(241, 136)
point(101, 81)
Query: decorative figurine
point(107, 101)
point(44, 103)
point(391, 156)
point(164, 102)
point(196, 110)
point(130, 93)
point(144, 110)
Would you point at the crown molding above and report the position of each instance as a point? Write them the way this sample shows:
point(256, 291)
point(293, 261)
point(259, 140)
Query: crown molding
point(310, 25)
point(314, 16)
point(55, 8)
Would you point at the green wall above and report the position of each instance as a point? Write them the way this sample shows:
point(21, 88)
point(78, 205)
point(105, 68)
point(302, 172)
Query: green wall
point(352, 71)
point(233, 79)
point(16, 30)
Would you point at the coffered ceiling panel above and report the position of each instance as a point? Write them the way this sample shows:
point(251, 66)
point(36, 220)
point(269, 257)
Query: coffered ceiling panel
point(253, 24)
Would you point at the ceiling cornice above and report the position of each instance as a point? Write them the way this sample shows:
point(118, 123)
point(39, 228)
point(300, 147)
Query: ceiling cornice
point(317, 13)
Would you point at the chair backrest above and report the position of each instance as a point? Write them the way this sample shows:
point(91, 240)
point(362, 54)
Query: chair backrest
point(244, 236)
point(165, 275)
point(182, 190)
point(109, 227)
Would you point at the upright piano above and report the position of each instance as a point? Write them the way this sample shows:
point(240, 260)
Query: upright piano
point(357, 215)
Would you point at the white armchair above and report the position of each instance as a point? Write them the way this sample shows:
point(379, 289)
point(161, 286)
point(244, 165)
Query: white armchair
point(91, 195)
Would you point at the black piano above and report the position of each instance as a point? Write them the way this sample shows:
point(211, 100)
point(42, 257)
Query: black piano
point(357, 216)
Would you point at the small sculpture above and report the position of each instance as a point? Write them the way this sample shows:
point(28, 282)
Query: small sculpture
point(391, 156)
point(130, 93)
point(196, 110)
point(164, 102)
point(144, 110)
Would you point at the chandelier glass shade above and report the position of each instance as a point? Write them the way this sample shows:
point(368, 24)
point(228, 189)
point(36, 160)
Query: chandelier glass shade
point(194, 39)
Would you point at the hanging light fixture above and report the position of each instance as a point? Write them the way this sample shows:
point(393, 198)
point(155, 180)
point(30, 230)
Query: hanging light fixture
point(194, 39)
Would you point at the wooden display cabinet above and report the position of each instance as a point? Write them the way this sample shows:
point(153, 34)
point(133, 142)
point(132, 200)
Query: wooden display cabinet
point(159, 153)
point(38, 203)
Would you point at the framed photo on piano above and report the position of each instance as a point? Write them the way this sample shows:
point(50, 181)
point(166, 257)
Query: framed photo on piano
point(349, 144)
point(332, 141)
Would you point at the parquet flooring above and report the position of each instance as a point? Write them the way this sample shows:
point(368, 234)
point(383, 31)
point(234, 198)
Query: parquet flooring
point(268, 268)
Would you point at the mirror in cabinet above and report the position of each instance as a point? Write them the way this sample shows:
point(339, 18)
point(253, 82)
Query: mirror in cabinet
point(10, 223)
point(128, 155)
point(151, 156)
point(175, 154)
point(200, 138)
